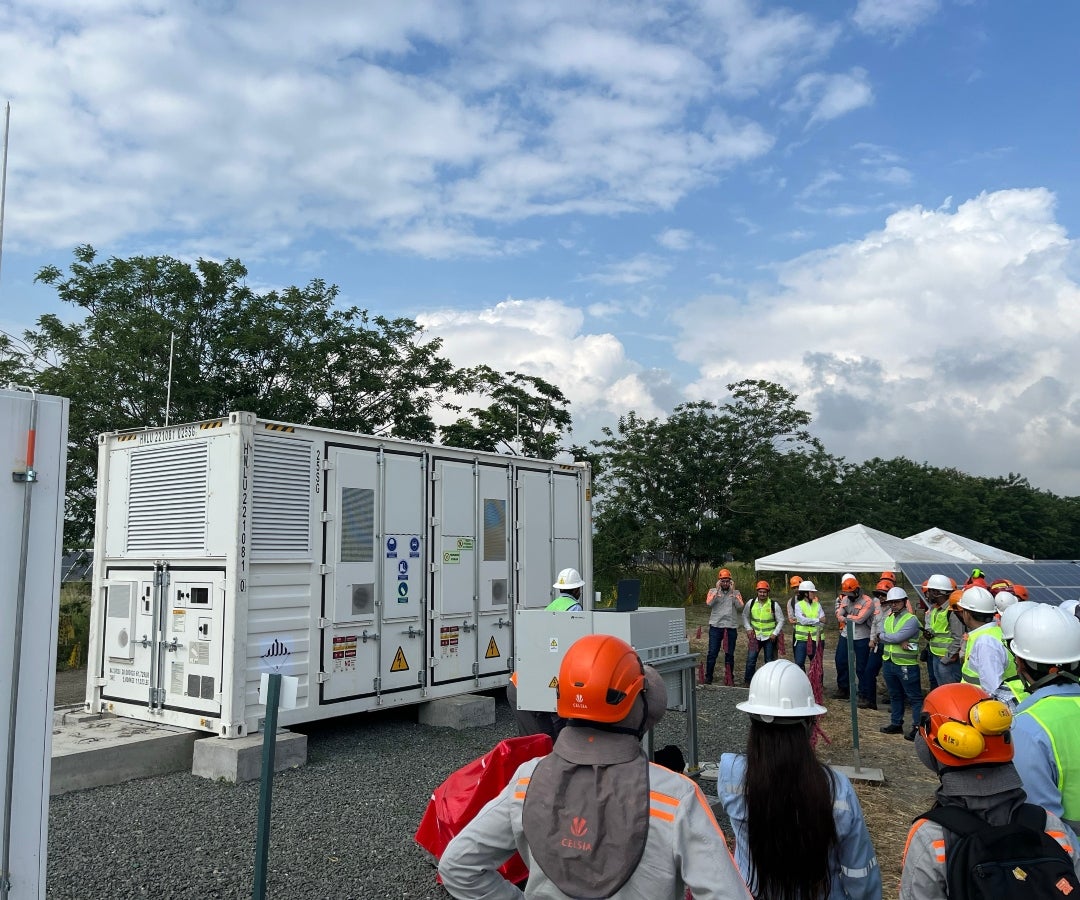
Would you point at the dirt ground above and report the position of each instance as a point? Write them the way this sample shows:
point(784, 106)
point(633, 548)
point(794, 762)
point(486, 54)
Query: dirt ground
point(888, 806)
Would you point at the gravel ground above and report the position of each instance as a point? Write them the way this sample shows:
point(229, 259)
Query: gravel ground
point(343, 824)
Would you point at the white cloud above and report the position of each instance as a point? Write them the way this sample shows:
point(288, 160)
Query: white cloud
point(543, 337)
point(643, 267)
point(892, 17)
point(947, 336)
point(830, 96)
point(675, 238)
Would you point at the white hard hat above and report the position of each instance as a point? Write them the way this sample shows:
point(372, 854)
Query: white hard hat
point(977, 599)
point(895, 593)
point(1046, 634)
point(938, 583)
point(568, 580)
point(1004, 599)
point(848, 575)
point(1009, 617)
point(781, 690)
point(807, 586)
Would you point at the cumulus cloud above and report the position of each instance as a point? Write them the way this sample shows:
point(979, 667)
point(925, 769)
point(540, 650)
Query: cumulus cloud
point(544, 337)
point(830, 96)
point(892, 17)
point(946, 336)
point(675, 239)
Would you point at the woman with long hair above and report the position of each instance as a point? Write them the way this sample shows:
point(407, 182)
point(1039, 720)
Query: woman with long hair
point(799, 829)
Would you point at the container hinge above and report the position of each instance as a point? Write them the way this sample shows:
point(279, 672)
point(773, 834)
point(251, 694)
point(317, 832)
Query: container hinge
point(476, 669)
point(327, 465)
point(326, 570)
point(377, 683)
point(323, 677)
point(433, 661)
point(421, 678)
point(323, 623)
point(326, 517)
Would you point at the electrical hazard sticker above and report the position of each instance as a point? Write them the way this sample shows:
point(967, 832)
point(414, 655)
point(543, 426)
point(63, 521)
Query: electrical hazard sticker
point(492, 649)
point(554, 683)
point(400, 663)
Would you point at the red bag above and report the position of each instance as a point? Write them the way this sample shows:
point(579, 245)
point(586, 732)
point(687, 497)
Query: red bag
point(457, 800)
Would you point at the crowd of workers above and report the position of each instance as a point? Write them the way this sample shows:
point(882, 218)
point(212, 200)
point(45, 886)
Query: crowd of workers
point(1000, 727)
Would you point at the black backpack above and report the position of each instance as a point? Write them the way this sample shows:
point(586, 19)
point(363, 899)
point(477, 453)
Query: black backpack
point(1002, 862)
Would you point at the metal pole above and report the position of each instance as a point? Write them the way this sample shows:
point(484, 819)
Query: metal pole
point(27, 477)
point(3, 176)
point(852, 693)
point(168, 390)
point(266, 784)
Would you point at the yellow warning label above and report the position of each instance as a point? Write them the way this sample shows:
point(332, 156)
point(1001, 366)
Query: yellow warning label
point(400, 663)
point(554, 683)
point(492, 650)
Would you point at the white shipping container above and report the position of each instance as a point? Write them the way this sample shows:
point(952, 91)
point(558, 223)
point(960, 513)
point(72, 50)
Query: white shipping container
point(378, 572)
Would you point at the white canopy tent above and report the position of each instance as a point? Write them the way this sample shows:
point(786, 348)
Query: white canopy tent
point(855, 549)
point(963, 547)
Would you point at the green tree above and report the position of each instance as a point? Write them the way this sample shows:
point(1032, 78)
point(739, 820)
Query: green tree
point(524, 414)
point(14, 362)
point(289, 355)
point(673, 493)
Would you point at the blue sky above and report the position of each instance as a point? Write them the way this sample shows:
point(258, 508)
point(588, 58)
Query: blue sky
point(872, 202)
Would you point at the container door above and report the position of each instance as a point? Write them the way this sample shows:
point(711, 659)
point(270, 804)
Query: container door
point(549, 533)
point(163, 641)
point(193, 646)
point(130, 601)
point(350, 643)
point(402, 515)
point(494, 572)
point(453, 641)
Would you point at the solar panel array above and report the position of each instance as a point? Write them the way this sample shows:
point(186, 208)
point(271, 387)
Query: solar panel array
point(1048, 581)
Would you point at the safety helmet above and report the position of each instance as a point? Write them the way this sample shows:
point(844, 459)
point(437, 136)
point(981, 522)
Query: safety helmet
point(762, 586)
point(849, 584)
point(1048, 635)
point(964, 726)
point(723, 573)
point(954, 598)
point(568, 580)
point(845, 577)
point(895, 595)
point(978, 599)
point(781, 690)
point(599, 679)
point(883, 587)
point(889, 576)
point(939, 583)
point(794, 581)
point(1009, 617)
point(1020, 592)
point(807, 587)
point(1003, 600)
point(1000, 584)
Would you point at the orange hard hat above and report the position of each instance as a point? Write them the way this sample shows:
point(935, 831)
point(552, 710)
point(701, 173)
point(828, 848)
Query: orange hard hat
point(849, 584)
point(723, 573)
point(763, 585)
point(954, 598)
point(1020, 591)
point(1001, 584)
point(890, 575)
point(952, 581)
point(794, 581)
point(883, 587)
point(599, 679)
point(964, 726)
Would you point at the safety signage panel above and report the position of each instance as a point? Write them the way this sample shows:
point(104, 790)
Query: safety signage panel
point(400, 663)
point(492, 650)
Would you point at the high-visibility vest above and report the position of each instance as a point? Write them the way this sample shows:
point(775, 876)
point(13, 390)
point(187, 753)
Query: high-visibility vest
point(940, 637)
point(1058, 716)
point(809, 611)
point(967, 673)
point(896, 652)
point(762, 617)
point(563, 603)
point(1017, 688)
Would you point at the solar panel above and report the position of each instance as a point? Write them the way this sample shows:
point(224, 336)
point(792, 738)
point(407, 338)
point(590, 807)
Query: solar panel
point(1048, 581)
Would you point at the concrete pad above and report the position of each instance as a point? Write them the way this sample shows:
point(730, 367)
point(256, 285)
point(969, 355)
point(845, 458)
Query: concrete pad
point(240, 759)
point(465, 711)
point(111, 750)
point(863, 773)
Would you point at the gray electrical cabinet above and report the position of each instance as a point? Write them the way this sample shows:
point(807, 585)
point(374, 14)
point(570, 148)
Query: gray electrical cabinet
point(378, 572)
point(33, 444)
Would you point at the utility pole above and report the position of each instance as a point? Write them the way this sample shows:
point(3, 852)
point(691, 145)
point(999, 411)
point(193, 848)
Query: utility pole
point(3, 177)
